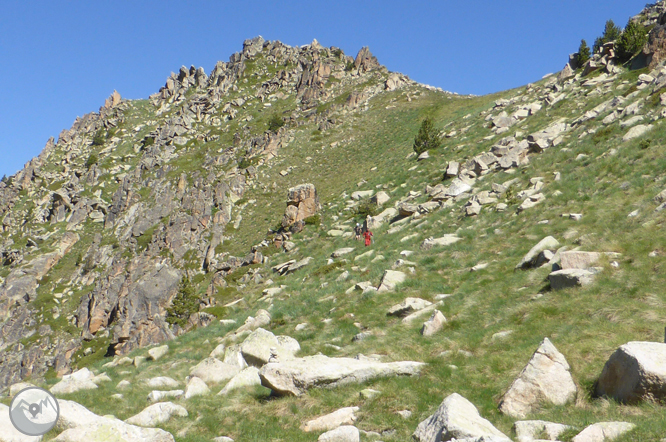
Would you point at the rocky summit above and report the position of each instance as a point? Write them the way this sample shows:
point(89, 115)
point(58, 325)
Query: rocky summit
point(269, 250)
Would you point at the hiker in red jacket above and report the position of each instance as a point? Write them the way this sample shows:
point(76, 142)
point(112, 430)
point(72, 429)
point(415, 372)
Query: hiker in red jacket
point(367, 235)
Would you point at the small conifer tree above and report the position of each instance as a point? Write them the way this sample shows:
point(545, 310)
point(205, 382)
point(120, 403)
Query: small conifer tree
point(583, 53)
point(631, 41)
point(427, 138)
point(611, 33)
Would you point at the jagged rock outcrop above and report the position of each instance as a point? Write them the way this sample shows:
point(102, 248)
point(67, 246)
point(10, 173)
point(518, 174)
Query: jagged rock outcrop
point(302, 203)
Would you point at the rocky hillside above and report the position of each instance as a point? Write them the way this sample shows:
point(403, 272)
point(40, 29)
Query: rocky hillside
point(197, 249)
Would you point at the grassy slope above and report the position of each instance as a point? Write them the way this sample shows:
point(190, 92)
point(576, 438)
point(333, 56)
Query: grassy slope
point(586, 324)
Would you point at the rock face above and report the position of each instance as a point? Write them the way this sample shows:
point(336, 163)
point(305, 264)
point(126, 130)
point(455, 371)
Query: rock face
point(295, 377)
point(343, 416)
point(545, 380)
point(456, 418)
point(302, 203)
point(157, 414)
point(603, 431)
point(635, 372)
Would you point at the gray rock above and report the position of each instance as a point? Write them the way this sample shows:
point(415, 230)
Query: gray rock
point(340, 252)
point(562, 279)
point(603, 431)
point(343, 416)
point(196, 387)
point(158, 395)
point(636, 371)
point(529, 431)
point(530, 259)
point(247, 378)
point(157, 414)
point(390, 280)
point(77, 381)
point(214, 371)
point(157, 352)
point(346, 433)
point(9, 432)
point(456, 418)
point(546, 379)
point(162, 382)
point(408, 306)
point(637, 131)
point(257, 347)
point(445, 240)
point(434, 324)
point(296, 376)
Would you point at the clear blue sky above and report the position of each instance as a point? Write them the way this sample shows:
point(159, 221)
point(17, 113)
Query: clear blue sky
point(61, 59)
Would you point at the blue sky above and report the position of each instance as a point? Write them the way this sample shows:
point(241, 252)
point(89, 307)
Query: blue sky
point(61, 60)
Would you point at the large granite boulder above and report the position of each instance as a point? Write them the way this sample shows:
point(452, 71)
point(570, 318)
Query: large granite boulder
point(603, 431)
point(157, 414)
point(456, 418)
point(259, 346)
point(296, 376)
point(546, 379)
point(635, 372)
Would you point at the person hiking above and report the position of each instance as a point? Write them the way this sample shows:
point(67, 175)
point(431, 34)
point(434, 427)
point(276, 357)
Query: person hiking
point(357, 232)
point(368, 236)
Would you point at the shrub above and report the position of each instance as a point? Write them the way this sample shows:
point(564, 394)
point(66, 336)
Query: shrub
point(148, 141)
point(366, 207)
point(313, 220)
point(583, 53)
point(275, 123)
point(98, 139)
point(631, 41)
point(350, 66)
point(644, 144)
point(183, 305)
point(611, 33)
point(92, 159)
point(427, 138)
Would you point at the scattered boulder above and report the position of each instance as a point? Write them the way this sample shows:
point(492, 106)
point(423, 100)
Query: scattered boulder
point(603, 431)
point(249, 377)
point(456, 418)
point(346, 433)
point(637, 131)
point(529, 431)
point(343, 416)
point(408, 306)
point(636, 371)
point(562, 279)
point(445, 240)
point(196, 387)
point(158, 395)
point(162, 382)
point(390, 280)
point(212, 370)
point(381, 198)
point(434, 324)
point(261, 345)
point(157, 352)
point(82, 425)
point(157, 414)
point(340, 252)
point(531, 258)
point(296, 376)
point(546, 379)
point(77, 381)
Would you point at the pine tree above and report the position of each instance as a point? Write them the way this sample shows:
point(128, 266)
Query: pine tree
point(427, 138)
point(611, 33)
point(631, 41)
point(583, 53)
